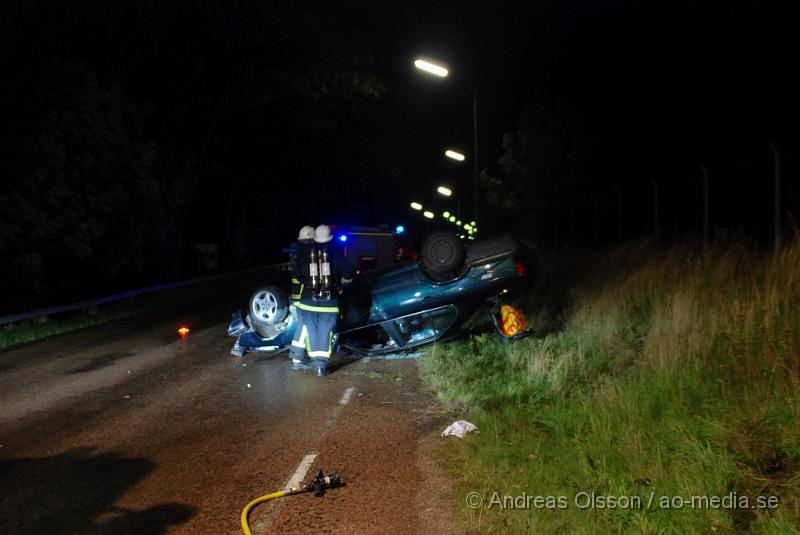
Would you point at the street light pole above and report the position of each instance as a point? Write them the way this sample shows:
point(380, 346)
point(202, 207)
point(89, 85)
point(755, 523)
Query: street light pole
point(476, 185)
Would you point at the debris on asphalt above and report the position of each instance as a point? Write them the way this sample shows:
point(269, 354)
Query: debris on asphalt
point(459, 429)
point(126, 396)
point(394, 356)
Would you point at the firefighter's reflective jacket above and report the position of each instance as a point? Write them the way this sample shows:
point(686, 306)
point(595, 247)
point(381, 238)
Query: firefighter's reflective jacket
point(300, 270)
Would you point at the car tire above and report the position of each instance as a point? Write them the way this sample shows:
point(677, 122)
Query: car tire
point(442, 252)
point(268, 306)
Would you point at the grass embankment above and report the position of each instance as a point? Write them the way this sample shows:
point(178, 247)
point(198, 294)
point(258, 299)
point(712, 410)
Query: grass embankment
point(671, 373)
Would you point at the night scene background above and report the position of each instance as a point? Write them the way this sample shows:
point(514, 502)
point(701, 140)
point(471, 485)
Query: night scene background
point(632, 340)
point(133, 131)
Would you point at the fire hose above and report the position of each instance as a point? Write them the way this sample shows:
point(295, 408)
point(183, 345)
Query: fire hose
point(318, 486)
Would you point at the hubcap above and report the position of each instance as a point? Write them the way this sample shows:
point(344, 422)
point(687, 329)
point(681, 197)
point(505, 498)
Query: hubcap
point(442, 252)
point(265, 306)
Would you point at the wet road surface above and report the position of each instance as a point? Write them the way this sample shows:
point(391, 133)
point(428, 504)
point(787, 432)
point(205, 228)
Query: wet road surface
point(126, 428)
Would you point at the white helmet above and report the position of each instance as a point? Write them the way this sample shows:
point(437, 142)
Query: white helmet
point(306, 233)
point(322, 234)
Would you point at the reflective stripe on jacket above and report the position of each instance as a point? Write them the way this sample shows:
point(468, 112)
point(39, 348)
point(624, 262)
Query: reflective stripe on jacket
point(318, 306)
point(297, 289)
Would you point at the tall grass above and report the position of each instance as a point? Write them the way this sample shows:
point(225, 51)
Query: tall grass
point(675, 372)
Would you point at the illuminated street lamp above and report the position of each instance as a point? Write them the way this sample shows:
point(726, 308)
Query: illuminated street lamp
point(428, 214)
point(441, 72)
point(452, 219)
point(416, 206)
point(453, 155)
point(444, 191)
point(431, 68)
point(446, 215)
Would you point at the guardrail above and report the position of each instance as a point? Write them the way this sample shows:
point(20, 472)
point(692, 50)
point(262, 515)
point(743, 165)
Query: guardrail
point(45, 312)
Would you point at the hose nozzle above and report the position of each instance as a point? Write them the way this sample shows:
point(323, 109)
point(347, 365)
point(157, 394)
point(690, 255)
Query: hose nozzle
point(322, 482)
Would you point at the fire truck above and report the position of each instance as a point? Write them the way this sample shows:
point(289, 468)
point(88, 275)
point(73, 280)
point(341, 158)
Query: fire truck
point(369, 248)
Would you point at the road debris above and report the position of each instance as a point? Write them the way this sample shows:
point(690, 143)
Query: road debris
point(394, 356)
point(459, 429)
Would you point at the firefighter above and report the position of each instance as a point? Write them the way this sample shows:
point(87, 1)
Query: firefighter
point(298, 352)
point(305, 240)
point(329, 273)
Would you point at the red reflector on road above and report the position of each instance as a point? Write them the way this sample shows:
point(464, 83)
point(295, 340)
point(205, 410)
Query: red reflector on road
point(520, 269)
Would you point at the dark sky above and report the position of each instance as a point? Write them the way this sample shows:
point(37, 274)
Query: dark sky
point(661, 86)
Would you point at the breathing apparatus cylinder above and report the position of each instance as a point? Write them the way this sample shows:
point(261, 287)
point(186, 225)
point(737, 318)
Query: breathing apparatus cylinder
point(325, 269)
point(313, 269)
point(319, 269)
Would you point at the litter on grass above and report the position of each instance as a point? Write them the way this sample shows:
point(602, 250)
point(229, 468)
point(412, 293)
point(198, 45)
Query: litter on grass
point(459, 429)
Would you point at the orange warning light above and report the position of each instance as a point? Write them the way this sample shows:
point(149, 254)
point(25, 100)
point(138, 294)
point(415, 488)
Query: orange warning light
point(183, 331)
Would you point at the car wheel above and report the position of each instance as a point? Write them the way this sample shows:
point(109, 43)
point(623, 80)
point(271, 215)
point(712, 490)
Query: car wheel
point(442, 252)
point(268, 306)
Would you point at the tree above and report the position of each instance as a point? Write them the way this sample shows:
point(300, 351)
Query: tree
point(542, 166)
point(129, 131)
point(87, 200)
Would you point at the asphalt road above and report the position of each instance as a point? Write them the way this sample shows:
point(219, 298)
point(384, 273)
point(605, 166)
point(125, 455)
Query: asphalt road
point(127, 428)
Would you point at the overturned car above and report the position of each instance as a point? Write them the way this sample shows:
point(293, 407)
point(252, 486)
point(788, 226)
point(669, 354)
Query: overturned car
point(399, 307)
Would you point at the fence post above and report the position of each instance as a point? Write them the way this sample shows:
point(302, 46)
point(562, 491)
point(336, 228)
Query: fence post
point(619, 215)
point(776, 170)
point(595, 221)
point(706, 208)
point(656, 213)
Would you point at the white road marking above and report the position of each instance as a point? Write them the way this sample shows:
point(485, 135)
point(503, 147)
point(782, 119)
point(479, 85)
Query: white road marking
point(346, 396)
point(345, 399)
point(308, 460)
point(302, 470)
